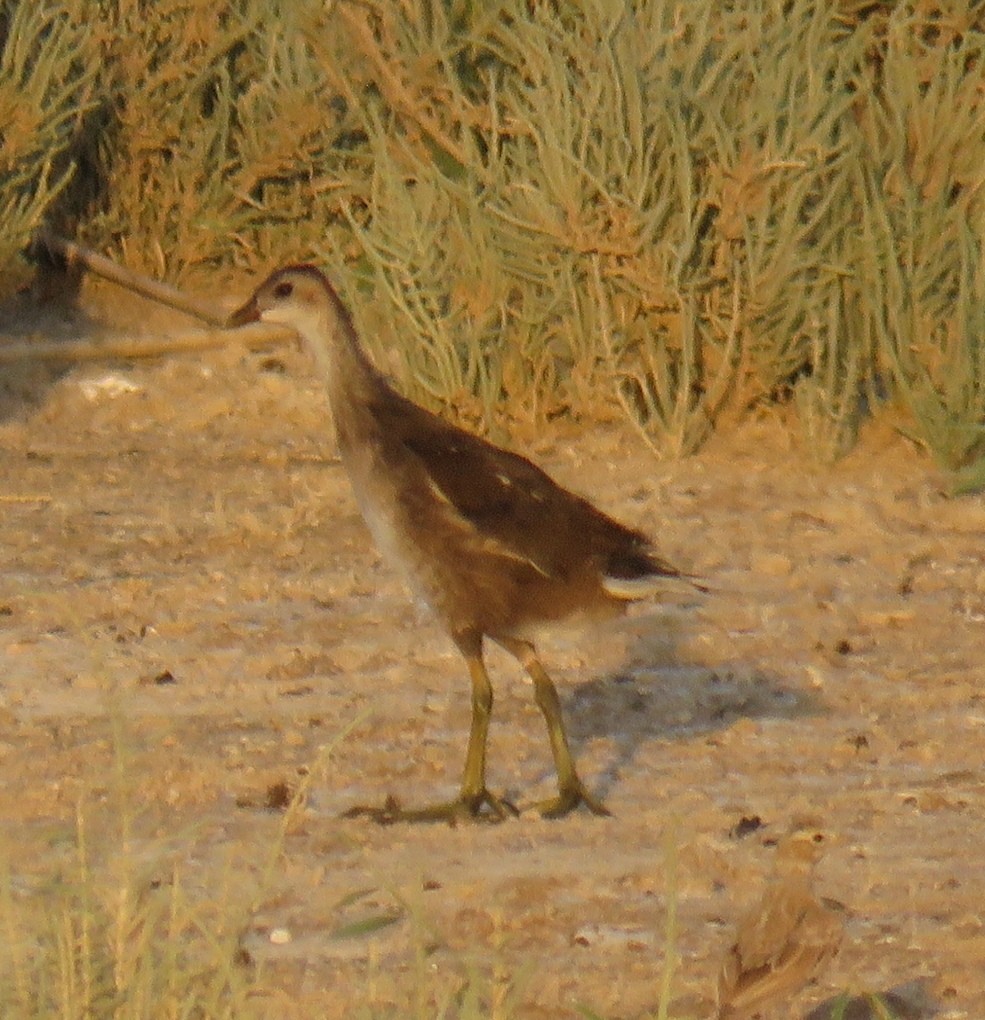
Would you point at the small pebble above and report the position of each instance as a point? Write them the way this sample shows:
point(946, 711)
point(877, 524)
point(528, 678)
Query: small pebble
point(772, 564)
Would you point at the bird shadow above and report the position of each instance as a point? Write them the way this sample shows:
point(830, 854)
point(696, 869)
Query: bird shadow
point(652, 695)
point(913, 1000)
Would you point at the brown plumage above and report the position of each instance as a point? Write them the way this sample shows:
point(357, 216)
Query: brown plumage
point(485, 538)
point(783, 941)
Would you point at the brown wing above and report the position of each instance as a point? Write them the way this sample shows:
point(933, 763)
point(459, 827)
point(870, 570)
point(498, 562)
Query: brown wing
point(515, 503)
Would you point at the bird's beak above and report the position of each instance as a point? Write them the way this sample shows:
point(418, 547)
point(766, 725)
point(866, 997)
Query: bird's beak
point(250, 312)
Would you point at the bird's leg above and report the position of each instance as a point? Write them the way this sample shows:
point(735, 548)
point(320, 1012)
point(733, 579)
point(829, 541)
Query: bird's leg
point(473, 796)
point(474, 776)
point(571, 790)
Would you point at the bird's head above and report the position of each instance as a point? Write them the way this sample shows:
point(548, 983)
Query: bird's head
point(800, 849)
point(294, 296)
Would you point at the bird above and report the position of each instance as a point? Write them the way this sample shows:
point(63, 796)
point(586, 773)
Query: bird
point(485, 538)
point(784, 940)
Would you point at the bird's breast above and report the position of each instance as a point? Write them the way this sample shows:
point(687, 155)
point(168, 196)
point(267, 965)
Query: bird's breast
point(380, 505)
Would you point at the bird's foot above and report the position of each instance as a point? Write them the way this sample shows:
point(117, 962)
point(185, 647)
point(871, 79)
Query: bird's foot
point(466, 807)
point(570, 795)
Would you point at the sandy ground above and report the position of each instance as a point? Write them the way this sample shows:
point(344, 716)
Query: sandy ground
point(191, 608)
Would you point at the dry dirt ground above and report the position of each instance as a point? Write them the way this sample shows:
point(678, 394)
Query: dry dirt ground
point(191, 612)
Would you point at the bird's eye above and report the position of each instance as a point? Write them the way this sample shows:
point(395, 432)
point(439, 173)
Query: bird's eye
point(284, 290)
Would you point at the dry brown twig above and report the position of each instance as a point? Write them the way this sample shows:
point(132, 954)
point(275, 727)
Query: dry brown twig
point(74, 254)
point(253, 337)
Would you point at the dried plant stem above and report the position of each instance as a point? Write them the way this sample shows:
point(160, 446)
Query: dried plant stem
point(138, 283)
point(252, 337)
point(605, 330)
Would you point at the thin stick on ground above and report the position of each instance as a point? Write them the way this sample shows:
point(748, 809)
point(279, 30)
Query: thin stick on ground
point(252, 337)
point(163, 293)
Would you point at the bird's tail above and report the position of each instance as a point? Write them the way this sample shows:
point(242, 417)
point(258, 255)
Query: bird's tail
point(643, 575)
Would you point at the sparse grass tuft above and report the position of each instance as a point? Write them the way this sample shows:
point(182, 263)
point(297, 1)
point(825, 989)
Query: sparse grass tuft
point(113, 933)
point(110, 923)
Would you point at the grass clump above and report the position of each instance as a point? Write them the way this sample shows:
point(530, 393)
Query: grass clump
point(922, 223)
point(46, 85)
point(214, 119)
point(115, 937)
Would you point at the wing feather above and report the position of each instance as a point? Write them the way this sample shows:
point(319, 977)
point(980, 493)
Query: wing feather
point(513, 504)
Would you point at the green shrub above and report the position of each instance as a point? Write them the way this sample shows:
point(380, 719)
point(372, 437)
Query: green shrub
point(46, 78)
point(923, 227)
point(675, 213)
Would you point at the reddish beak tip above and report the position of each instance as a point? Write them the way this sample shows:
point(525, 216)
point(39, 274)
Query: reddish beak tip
point(247, 313)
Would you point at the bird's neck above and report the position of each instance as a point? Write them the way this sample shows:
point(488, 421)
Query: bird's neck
point(340, 360)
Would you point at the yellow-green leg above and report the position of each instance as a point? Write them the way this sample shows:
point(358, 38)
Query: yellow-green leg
point(474, 795)
point(571, 790)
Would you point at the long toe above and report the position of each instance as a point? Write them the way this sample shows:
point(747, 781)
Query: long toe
point(464, 808)
point(500, 808)
point(388, 813)
point(569, 797)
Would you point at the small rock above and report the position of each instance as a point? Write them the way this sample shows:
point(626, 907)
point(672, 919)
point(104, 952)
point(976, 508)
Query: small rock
point(772, 564)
